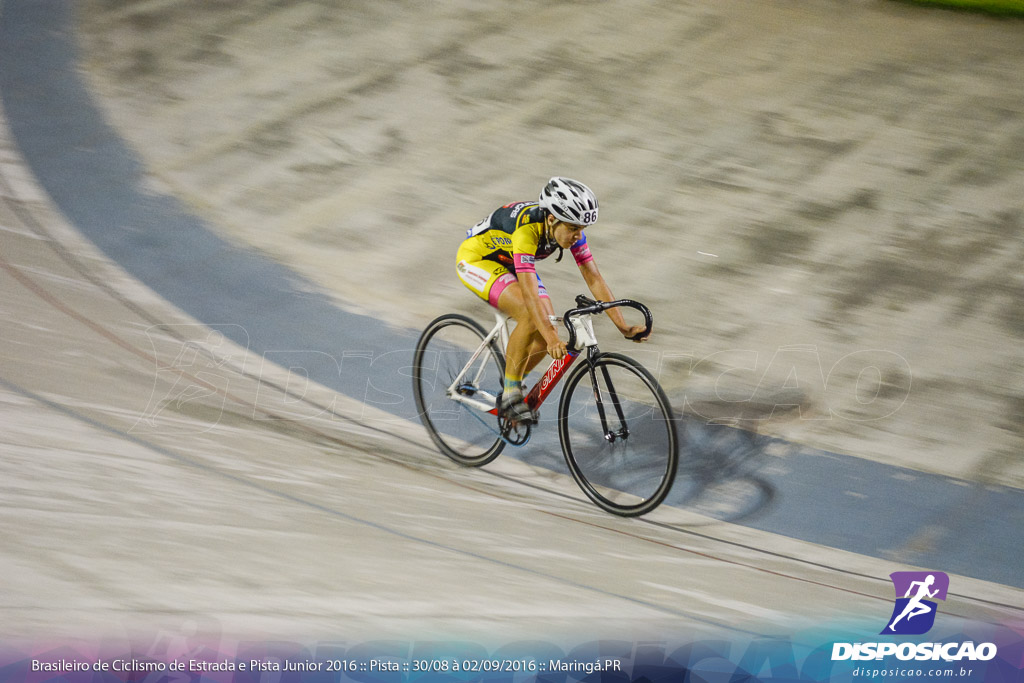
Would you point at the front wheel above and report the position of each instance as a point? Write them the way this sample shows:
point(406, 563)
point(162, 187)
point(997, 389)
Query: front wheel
point(618, 435)
point(453, 395)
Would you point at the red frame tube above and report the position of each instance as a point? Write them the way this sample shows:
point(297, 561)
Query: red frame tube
point(542, 389)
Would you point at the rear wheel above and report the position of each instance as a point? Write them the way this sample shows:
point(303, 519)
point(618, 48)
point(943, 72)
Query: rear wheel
point(618, 435)
point(458, 422)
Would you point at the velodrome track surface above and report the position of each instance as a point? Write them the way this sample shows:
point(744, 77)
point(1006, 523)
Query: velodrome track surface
point(255, 506)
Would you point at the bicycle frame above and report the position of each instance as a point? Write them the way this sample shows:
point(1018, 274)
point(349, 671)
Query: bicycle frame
point(489, 402)
point(552, 376)
point(610, 386)
point(583, 334)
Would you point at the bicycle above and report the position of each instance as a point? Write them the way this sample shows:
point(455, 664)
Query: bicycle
point(615, 424)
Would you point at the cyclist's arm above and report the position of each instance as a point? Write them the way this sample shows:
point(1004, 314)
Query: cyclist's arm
point(602, 292)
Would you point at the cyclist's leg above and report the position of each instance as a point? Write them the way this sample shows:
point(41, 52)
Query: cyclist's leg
point(526, 345)
point(538, 350)
point(525, 348)
point(495, 284)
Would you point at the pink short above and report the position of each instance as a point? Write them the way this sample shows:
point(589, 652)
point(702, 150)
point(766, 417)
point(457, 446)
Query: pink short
point(503, 281)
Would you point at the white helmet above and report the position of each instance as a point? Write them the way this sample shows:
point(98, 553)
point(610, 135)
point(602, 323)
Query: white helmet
point(569, 201)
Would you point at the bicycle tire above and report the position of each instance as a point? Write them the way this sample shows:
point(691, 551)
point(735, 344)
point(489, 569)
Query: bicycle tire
point(443, 349)
point(632, 474)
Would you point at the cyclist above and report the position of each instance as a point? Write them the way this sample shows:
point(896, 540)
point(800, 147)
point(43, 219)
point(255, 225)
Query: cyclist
point(497, 261)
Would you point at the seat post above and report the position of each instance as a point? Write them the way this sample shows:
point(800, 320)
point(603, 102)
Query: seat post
point(500, 319)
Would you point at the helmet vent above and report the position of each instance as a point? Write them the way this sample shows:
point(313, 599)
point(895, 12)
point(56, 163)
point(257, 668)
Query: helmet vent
point(570, 201)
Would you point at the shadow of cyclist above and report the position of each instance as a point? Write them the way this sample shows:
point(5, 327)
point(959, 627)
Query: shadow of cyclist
point(722, 455)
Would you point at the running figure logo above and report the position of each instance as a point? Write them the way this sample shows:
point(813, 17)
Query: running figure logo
point(914, 612)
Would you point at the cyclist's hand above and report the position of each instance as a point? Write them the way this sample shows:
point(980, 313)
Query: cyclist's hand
point(634, 331)
point(556, 349)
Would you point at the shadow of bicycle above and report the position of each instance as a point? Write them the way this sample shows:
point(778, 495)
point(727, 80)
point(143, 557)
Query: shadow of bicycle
point(724, 462)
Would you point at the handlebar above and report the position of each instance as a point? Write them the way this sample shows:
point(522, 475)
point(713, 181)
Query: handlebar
point(587, 306)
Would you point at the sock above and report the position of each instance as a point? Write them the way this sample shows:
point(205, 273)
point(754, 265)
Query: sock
point(513, 385)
